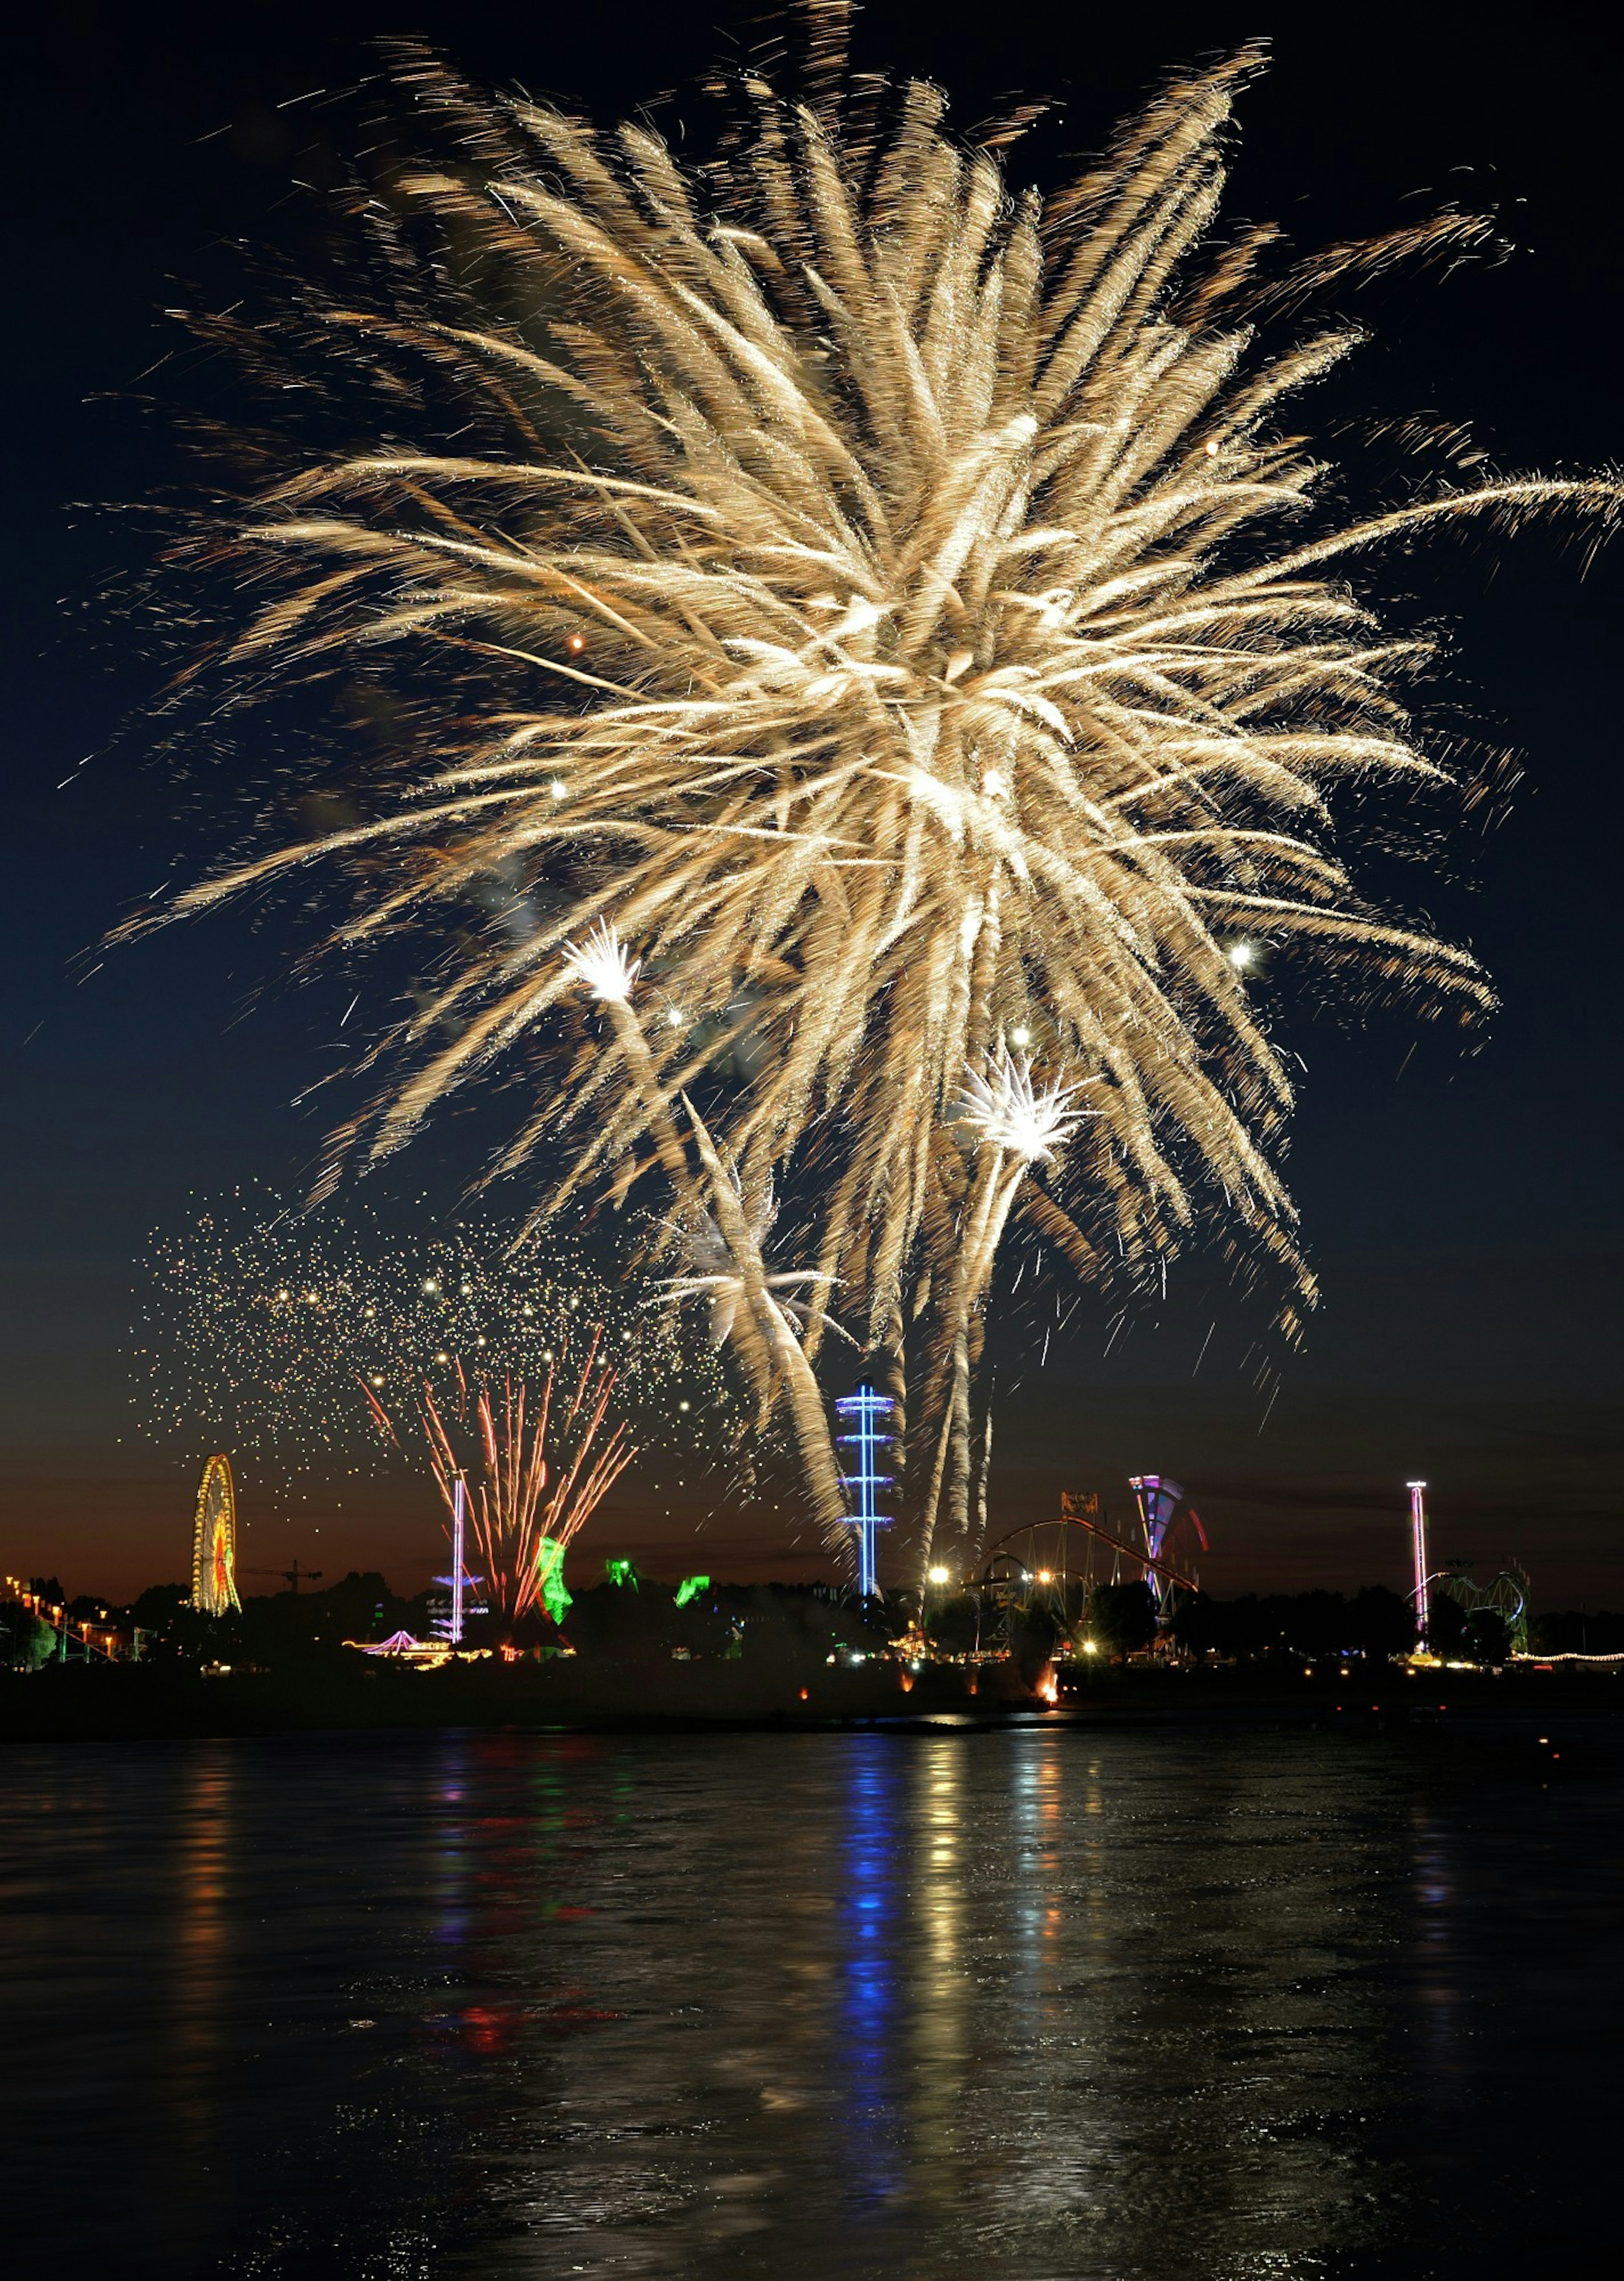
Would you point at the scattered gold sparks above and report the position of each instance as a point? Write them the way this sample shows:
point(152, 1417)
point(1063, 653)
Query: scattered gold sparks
point(232, 1350)
point(942, 643)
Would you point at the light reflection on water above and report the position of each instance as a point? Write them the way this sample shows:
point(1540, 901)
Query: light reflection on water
point(1035, 2002)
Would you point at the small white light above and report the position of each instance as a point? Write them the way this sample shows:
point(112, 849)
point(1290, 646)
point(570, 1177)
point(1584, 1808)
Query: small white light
point(993, 783)
point(1212, 450)
point(674, 1017)
point(1021, 1036)
point(1241, 954)
point(940, 1576)
point(682, 1405)
point(558, 787)
point(602, 961)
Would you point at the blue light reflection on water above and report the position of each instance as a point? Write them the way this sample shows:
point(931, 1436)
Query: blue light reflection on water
point(1029, 2003)
point(446, 1788)
point(869, 1910)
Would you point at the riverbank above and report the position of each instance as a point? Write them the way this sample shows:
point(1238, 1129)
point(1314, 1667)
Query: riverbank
point(132, 1702)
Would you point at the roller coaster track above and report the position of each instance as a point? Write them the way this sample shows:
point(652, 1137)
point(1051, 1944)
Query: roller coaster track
point(1118, 1545)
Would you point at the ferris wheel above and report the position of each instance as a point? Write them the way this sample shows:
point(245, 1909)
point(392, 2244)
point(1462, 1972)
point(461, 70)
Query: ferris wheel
point(214, 1541)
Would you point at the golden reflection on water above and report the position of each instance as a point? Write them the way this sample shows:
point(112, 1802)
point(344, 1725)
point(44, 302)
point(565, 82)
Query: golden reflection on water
point(1011, 1993)
point(940, 2008)
point(1017, 2003)
point(199, 1969)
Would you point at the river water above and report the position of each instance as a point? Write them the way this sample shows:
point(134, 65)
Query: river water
point(1035, 2001)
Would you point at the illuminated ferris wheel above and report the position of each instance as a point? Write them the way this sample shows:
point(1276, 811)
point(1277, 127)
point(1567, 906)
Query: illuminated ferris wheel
point(214, 1542)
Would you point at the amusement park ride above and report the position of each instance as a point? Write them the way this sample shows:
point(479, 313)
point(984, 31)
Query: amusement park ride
point(1030, 1568)
point(1505, 1596)
point(1026, 1560)
point(1038, 1566)
point(459, 1587)
point(1034, 1568)
point(1034, 1564)
point(214, 1541)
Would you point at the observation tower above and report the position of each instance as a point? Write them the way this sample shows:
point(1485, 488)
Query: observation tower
point(866, 1414)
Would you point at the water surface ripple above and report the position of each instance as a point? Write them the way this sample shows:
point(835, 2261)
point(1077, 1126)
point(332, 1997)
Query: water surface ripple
point(1035, 2002)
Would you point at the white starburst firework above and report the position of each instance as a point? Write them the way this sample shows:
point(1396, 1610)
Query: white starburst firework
point(603, 962)
point(1006, 1111)
point(719, 1278)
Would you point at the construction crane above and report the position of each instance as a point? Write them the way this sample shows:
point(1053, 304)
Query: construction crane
point(290, 1575)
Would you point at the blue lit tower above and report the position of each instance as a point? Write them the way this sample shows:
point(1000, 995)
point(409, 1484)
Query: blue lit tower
point(868, 1415)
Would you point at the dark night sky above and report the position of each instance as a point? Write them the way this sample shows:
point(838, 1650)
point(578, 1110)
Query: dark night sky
point(1464, 1214)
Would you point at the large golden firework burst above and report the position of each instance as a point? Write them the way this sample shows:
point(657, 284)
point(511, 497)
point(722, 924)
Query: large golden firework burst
point(870, 631)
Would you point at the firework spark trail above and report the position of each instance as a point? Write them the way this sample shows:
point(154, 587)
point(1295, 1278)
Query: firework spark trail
point(523, 1531)
point(759, 1323)
point(761, 1326)
point(890, 606)
point(1015, 1126)
point(756, 1323)
point(712, 1275)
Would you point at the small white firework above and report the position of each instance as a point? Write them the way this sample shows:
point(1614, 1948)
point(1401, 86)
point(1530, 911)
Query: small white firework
point(716, 1275)
point(1006, 1111)
point(604, 964)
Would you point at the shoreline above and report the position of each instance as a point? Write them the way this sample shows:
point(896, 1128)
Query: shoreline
point(152, 1703)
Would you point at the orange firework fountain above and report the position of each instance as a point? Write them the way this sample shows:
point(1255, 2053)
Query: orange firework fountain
point(545, 1461)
